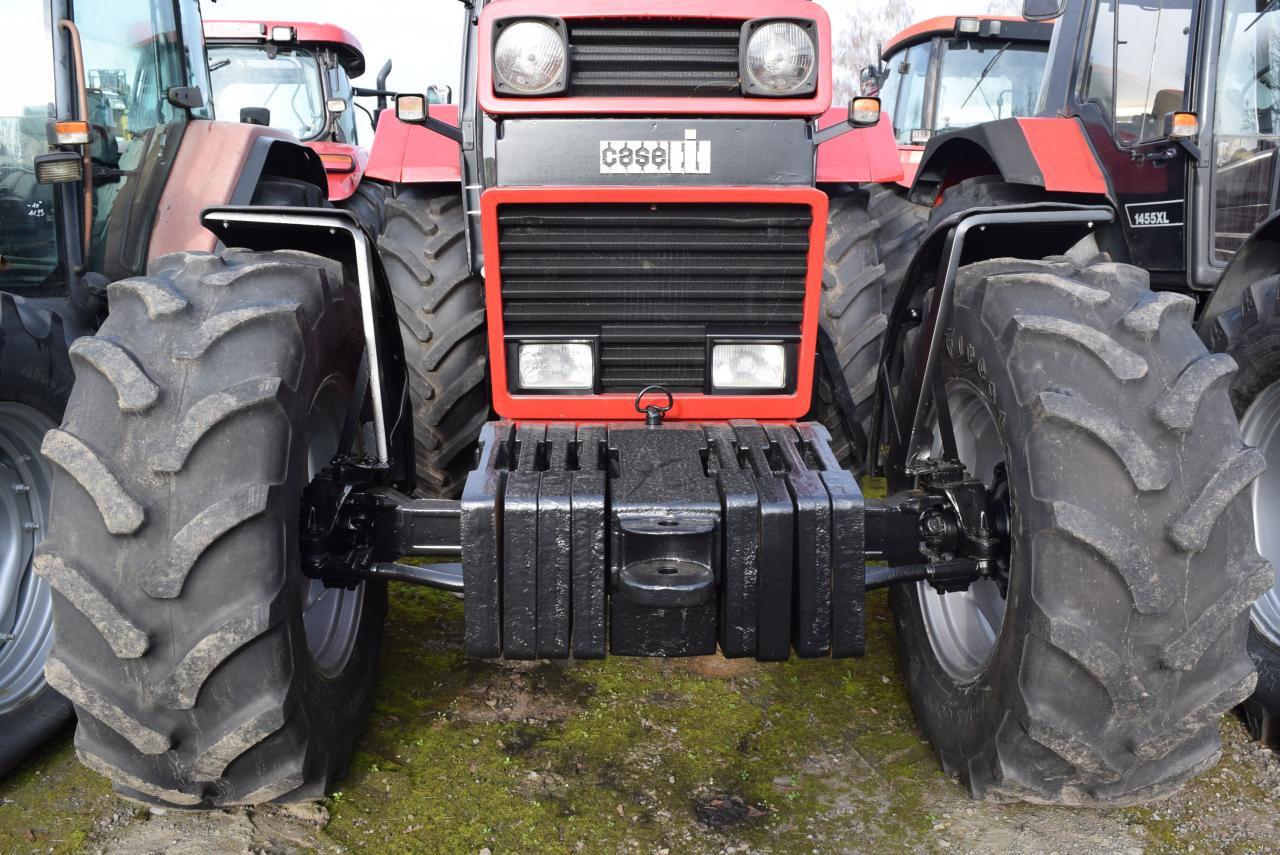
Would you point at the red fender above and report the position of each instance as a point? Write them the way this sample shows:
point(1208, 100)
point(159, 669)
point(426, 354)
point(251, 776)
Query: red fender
point(343, 180)
point(411, 154)
point(1050, 153)
point(867, 154)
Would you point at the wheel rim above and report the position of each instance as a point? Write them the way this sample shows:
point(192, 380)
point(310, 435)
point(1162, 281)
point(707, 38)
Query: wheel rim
point(963, 626)
point(331, 616)
point(26, 605)
point(1261, 429)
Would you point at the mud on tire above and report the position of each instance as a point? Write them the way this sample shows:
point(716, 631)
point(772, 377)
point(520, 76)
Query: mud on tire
point(1133, 564)
point(440, 305)
point(174, 549)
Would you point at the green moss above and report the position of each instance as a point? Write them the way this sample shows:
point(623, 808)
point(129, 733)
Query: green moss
point(627, 755)
point(51, 802)
point(627, 752)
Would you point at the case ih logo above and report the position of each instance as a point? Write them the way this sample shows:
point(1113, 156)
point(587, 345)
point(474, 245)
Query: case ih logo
point(690, 156)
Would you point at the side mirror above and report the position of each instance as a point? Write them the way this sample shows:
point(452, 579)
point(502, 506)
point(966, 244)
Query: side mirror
point(1043, 10)
point(411, 109)
point(864, 112)
point(255, 116)
point(869, 80)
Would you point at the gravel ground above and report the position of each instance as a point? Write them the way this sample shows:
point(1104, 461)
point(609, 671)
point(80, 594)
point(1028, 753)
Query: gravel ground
point(696, 756)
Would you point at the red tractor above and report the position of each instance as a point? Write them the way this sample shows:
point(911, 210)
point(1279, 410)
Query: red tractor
point(296, 76)
point(108, 156)
point(652, 288)
point(939, 75)
point(955, 71)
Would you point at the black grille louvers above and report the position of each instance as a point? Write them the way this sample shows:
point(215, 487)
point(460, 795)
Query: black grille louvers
point(620, 57)
point(651, 282)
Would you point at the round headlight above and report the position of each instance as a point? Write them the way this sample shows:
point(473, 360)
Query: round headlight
point(529, 57)
point(780, 58)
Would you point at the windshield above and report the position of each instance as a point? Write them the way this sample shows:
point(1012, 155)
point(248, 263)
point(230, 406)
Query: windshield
point(29, 255)
point(1246, 122)
point(288, 84)
point(984, 80)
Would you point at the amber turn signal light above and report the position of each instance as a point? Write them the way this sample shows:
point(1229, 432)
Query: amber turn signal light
point(1182, 126)
point(71, 133)
point(338, 163)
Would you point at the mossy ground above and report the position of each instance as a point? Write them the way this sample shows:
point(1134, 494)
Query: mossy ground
point(629, 755)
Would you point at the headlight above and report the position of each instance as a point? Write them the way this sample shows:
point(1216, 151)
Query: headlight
point(529, 58)
point(556, 366)
point(781, 59)
point(748, 366)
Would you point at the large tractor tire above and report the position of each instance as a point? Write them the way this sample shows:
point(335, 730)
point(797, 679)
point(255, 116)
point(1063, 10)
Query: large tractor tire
point(902, 224)
point(1094, 671)
point(369, 204)
point(205, 669)
point(440, 305)
point(1250, 334)
point(35, 378)
point(862, 258)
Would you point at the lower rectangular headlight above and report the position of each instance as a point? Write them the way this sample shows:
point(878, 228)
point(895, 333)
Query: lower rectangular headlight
point(743, 365)
point(556, 365)
point(59, 167)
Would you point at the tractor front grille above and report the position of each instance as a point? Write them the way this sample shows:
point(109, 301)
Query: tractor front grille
point(653, 281)
point(615, 57)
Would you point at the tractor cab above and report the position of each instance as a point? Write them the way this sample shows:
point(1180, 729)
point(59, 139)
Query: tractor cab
point(950, 72)
point(295, 77)
point(88, 128)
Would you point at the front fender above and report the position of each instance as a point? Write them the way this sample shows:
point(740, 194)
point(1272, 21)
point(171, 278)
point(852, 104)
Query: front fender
point(1052, 154)
point(411, 154)
point(864, 155)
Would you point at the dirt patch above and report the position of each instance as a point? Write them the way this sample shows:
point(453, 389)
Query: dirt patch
point(691, 756)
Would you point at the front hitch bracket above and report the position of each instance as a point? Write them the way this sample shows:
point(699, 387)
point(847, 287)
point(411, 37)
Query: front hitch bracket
point(679, 539)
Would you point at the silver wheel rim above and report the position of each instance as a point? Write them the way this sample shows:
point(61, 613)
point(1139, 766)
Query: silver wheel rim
point(330, 616)
point(1261, 429)
point(26, 605)
point(963, 627)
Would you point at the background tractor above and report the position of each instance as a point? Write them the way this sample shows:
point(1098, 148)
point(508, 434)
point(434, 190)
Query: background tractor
point(107, 153)
point(938, 75)
point(955, 71)
point(296, 76)
point(649, 268)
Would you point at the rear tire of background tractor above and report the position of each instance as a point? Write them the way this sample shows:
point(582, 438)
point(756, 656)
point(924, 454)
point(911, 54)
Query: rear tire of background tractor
point(440, 305)
point(35, 379)
point(369, 204)
point(1099, 674)
point(902, 224)
point(206, 670)
point(1250, 334)
point(865, 260)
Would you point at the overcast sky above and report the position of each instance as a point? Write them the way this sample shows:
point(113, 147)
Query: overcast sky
point(424, 37)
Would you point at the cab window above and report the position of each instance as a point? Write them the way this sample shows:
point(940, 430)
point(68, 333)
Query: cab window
point(903, 93)
point(1137, 64)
